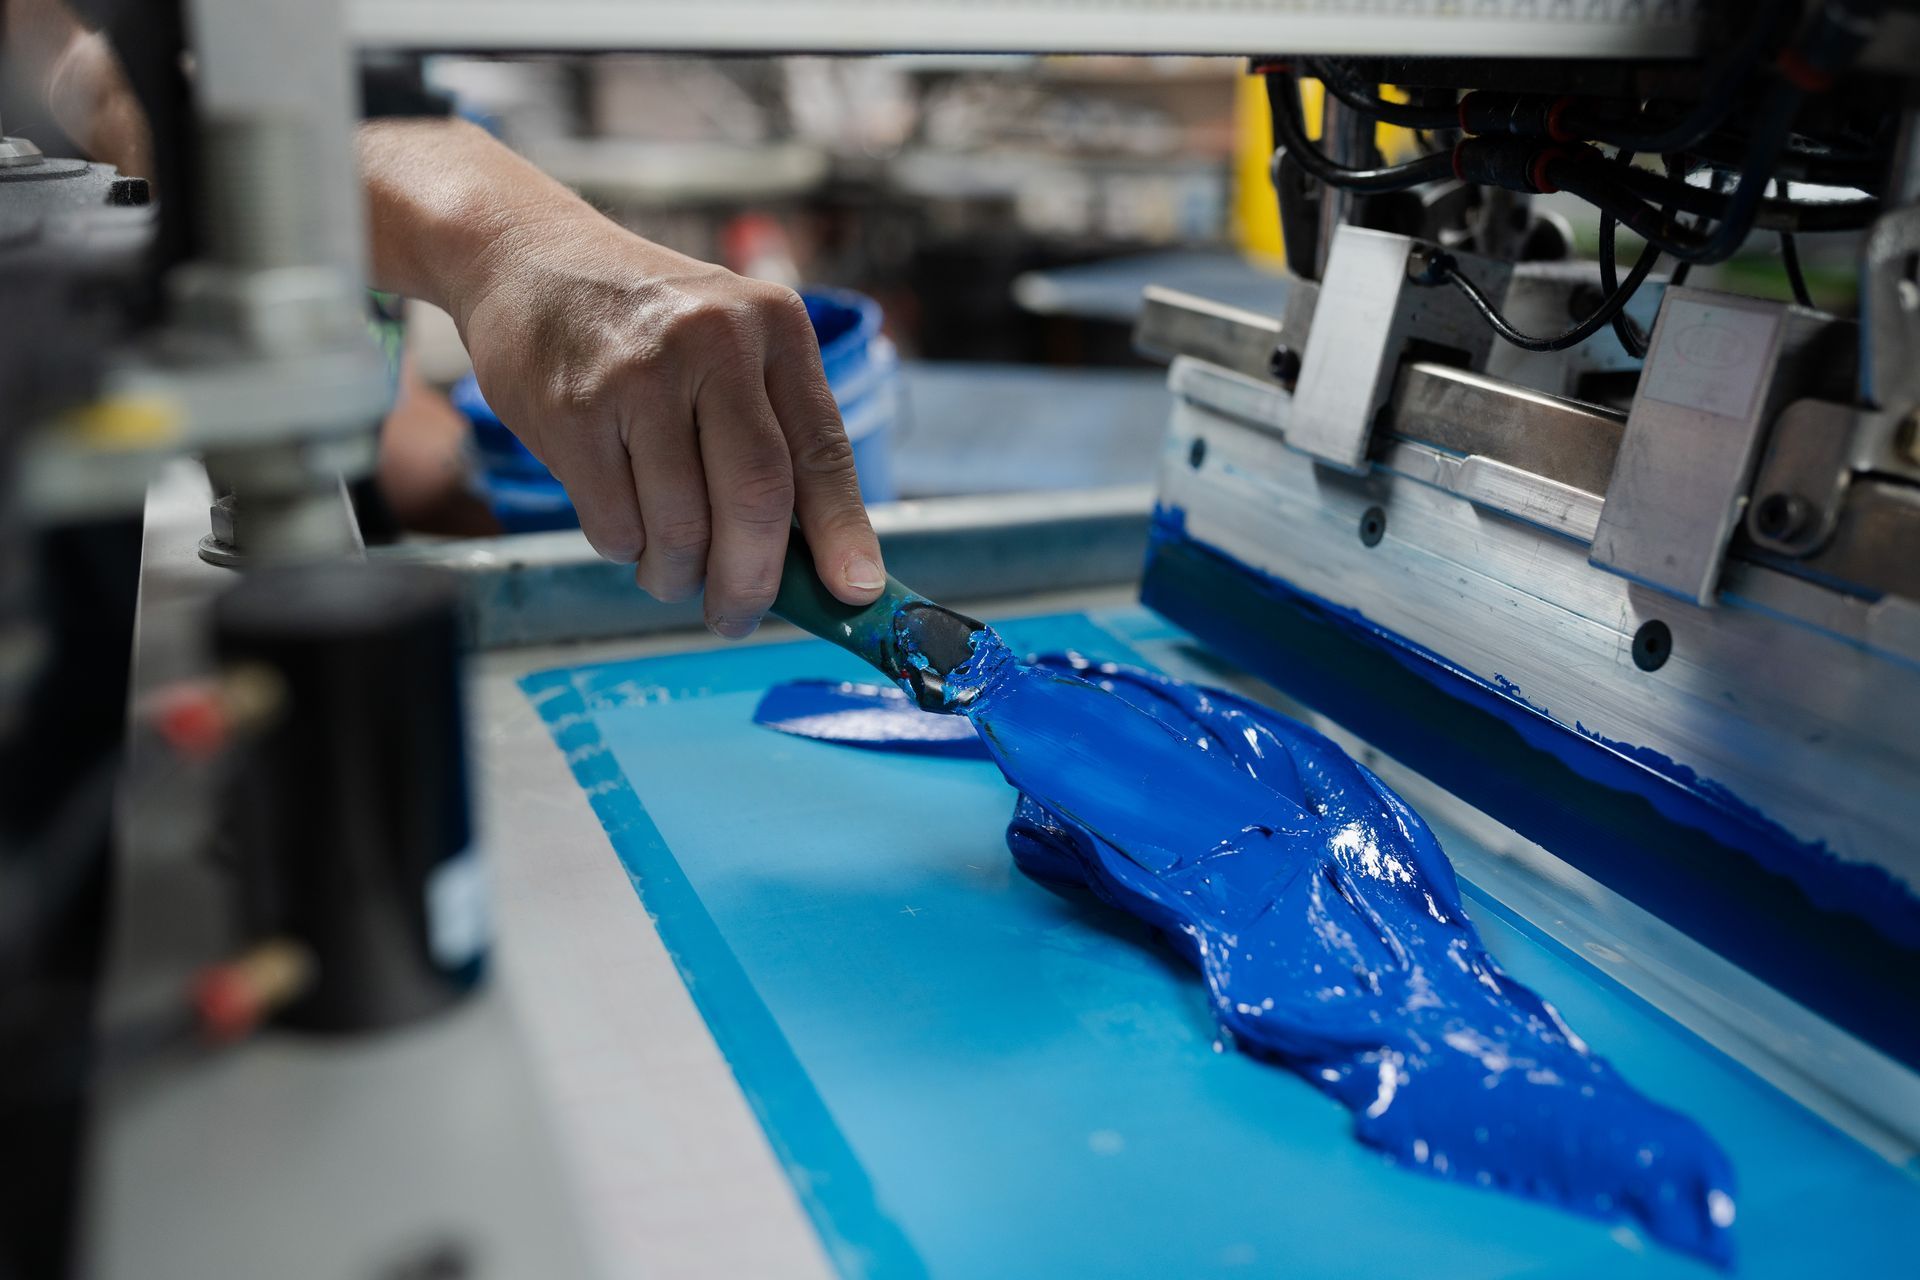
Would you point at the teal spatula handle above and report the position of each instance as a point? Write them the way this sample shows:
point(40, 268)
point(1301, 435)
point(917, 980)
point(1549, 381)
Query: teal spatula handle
point(884, 634)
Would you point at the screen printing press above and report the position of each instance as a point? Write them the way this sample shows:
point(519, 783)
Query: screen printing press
point(577, 970)
point(745, 979)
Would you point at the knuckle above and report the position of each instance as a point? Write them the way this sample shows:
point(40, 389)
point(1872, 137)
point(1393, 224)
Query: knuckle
point(758, 592)
point(719, 321)
point(787, 309)
point(824, 452)
point(683, 541)
point(761, 493)
point(746, 592)
point(642, 371)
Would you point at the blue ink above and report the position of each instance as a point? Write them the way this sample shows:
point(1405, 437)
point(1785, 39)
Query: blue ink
point(1860, 889)
point(1325, 921)
point(1684, 847)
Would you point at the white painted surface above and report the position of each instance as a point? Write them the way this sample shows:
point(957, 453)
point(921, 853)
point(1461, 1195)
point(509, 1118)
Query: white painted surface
point(674, 1174)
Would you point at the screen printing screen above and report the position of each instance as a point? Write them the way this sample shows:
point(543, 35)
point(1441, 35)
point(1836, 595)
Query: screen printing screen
point(964, 1072)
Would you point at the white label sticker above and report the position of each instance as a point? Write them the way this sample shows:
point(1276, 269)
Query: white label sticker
point(1711, 357)
point(459, 919)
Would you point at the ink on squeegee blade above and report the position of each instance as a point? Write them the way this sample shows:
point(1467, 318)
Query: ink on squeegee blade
point(1321, 913)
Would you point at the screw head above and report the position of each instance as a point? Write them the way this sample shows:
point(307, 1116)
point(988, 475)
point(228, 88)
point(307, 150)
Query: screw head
point(1782, 516)
point(1196, 453)
point(1284, 363)
point(1373, 526)
point(1652, 645)
point(1428, 266)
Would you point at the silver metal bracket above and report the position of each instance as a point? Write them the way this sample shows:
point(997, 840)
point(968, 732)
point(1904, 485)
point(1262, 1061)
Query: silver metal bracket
point(1371, 316)
point(1836, 490)
point(1803, 479)
point(1890, 308)
point(1719, 369)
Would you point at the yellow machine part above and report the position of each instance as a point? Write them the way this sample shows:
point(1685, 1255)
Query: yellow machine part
point(1256, 213)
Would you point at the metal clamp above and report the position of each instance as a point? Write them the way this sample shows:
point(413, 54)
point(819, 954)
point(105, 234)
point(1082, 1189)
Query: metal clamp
point(1718, 371)
point(1372, 316)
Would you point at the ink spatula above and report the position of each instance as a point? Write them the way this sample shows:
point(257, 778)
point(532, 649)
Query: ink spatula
point(905, 636)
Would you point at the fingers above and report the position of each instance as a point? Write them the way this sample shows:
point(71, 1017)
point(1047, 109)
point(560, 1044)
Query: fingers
point(749, 484)
point(826, 491)
point(591, 465)
point(664, 457)
point(690, 456)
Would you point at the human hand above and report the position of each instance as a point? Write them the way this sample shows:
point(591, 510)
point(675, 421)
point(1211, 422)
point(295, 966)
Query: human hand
point(683, 408)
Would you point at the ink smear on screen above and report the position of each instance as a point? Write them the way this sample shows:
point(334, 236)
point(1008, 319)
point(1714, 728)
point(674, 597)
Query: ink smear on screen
point(1321, 914)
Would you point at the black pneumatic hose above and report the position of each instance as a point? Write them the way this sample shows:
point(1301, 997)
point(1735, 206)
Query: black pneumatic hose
point(1290, 136)
point(1441, 267)
point(1342, 84)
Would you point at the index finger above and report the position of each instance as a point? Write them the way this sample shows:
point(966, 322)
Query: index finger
point(826, 489)
point(750, 492)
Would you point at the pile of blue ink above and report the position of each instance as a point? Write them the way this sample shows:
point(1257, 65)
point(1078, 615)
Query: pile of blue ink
point(1321, 913)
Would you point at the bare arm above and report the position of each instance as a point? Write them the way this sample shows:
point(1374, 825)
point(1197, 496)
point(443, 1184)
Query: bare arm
point(74, 71)
point(682, 406)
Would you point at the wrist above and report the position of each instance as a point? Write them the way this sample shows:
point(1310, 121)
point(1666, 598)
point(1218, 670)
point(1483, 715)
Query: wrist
point(452, 212)
point(489, 254)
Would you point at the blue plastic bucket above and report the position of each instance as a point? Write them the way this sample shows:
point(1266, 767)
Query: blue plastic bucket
point(863, 370)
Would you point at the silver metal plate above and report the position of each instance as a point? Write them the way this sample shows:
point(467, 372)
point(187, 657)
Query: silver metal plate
point(1680, 483)
point(1368, 313)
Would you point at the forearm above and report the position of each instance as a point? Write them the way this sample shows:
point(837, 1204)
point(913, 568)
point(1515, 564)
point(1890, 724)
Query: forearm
point(75, 72)
point(34, 34)
point(450, 210)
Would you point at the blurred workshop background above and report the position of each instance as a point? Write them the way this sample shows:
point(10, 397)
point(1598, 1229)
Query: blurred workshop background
point(987, 224)
point(973, 231)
